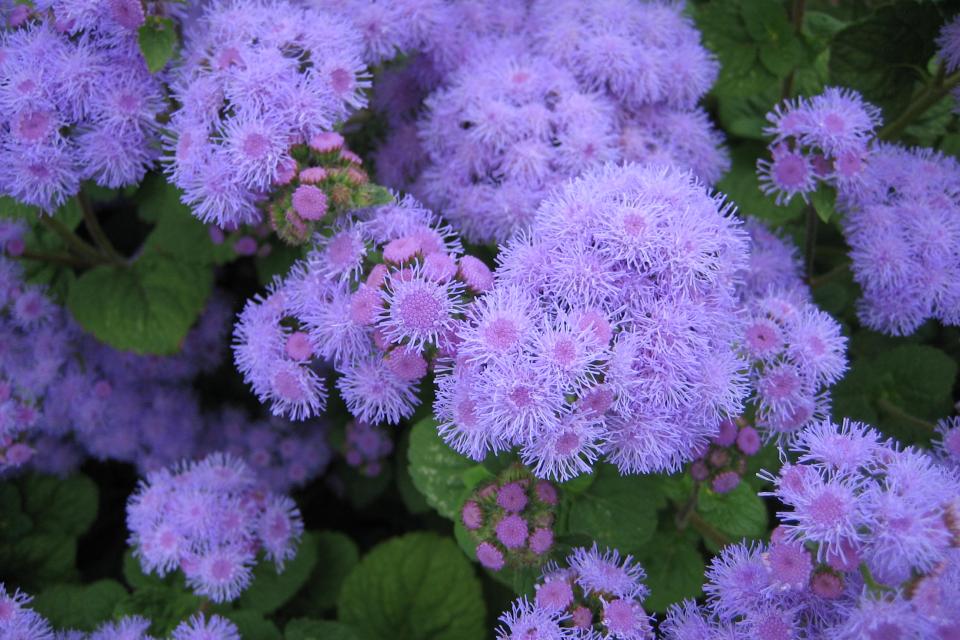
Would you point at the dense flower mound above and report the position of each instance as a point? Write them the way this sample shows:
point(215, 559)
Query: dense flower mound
point(210, 519)
point(903, 227)
point(796, 351)
point(509, 127)
point(866, 549)
point(257, 77)
point(76, 103)
point(593, 596)
point(611, 330)
point(510, 519)
point(378, 298)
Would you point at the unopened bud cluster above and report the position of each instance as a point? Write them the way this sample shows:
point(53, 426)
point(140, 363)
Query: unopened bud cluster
point(724, 461)
point(511, 519)
point(320, 181)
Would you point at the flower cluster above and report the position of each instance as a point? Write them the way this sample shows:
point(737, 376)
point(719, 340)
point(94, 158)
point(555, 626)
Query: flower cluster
point(510, 519)
point(824, 139)
point(507, 128)
point(257, 77)
point(322, 180)
point(723, 463)
point(282, 455)
point(76, 103)
point(210, 518)
point(612, 329)
point(796, 351)
point(867, 548)
point(902, 223)
point(366, 446)
point(19, 622)
point(595, 595)
point(378, 298)
point(947, 444)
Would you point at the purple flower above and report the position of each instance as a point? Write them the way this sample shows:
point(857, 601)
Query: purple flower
point(200, 628)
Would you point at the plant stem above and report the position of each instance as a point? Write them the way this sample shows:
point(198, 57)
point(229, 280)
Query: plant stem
point(810, 241)
point(797, 10)
point(934, 92)
point(871, 582)
point(73, 242)
point(838, 270)
point(57, 258)
point(708, 531)
point(889, 408)
point(689, 507)
point(96, 231)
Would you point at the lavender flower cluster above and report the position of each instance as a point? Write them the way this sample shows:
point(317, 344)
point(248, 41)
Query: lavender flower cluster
point(866, 549)
point(19, 622)
point(796, 351)
point(256, 78)
point(900, 206)
point(611, 330)
point(378, 298)
point(77, 102)
point(537, 95)
point(210, 519)
point(595, 595)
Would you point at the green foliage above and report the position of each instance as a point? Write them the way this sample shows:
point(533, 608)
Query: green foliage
point(146, 307)
point(898, 389)
point(270, 590)
point(738, 514)
point(253, 626)
point(436, 469)
point(158, 42)
point(617, 511)
point(884, 55)
point(674, 569)
point(414, 587)
point(83, 608)
point(306, 629)
point(337, 555)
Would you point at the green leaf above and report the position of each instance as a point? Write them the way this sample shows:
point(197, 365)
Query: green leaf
point(738, 514)
point(896, 388)
point(617, 511)
point(726, 34)
point(415, 587)
point(337, 555)
point(824, 202)
point(158, 42)
point(307, 629)
point(413, 500)
point(436, 469)
point(62, 506)
point(147, 307)
point(83, 608)
point(674, 569)
point(253, 626)
point(40, 559)
point(269, 589)
point(165, 607)
point(884, 56)
point(12, 208)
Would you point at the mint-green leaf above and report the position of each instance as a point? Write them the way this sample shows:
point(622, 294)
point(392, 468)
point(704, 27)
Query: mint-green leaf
point(158, 42)
point(78, 607)
point(147, 307)
point(617, 511)
point(436, 469)
point(269, 589)
point(416, 587)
